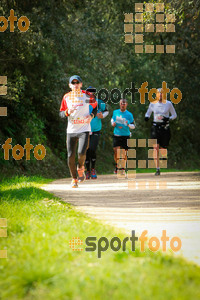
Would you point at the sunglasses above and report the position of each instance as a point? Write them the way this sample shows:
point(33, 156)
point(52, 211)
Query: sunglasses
point(75, 82)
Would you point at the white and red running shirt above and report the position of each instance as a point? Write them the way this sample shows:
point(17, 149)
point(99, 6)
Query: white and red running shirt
point(83, 102)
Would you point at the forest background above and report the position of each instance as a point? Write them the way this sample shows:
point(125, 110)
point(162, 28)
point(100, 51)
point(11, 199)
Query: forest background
point(68, 37)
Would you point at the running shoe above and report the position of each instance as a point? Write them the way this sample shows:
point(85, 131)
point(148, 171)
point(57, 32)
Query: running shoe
point(121, 173)
point(81, 174)
point(157, 172)
point(74, 183)
point(93, 174)
point(87, 175)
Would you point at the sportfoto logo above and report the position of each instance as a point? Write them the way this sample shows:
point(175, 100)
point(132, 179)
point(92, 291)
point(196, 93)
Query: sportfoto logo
point(115, 95)
point(145, 20)
point(22, 24)
point(18, 151)
point(101, 245)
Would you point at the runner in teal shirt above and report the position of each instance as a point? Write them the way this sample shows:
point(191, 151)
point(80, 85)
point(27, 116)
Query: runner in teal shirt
point(122, 121)
point(96, 123)
point(96, 126)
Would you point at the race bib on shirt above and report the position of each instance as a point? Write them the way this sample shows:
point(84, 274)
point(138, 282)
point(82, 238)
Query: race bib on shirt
point(121, 120)
point(78, 120)
point(158, 118)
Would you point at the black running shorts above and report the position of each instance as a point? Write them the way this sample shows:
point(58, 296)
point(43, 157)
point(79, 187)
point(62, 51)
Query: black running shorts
point(162, 134)
point(120, 141)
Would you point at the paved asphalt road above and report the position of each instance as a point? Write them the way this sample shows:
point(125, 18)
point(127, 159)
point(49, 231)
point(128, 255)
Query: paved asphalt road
point(169, 202)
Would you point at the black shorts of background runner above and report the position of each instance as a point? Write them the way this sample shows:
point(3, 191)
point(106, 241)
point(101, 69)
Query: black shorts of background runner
point(83, 142)
point(162, 134)
point(91, 152)
point(120, 141)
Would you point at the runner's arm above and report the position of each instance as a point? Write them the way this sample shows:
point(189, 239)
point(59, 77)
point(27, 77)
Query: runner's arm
point(105, 113)
point(102, 113)
point(113, 121)
point(63, 109)
point(148, 113)
point(131, 125)
point(94, 112)
point(172, 112)
point(93, 103)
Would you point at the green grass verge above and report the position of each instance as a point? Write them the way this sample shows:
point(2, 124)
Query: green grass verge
point(40, 264)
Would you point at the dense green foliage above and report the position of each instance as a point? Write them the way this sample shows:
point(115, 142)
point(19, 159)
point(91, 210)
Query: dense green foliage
point(69, 37)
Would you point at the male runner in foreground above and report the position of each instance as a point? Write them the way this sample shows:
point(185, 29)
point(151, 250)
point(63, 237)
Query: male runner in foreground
point(122, 121)
point(160, 129)
point(76, 106)
point(96, 126)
